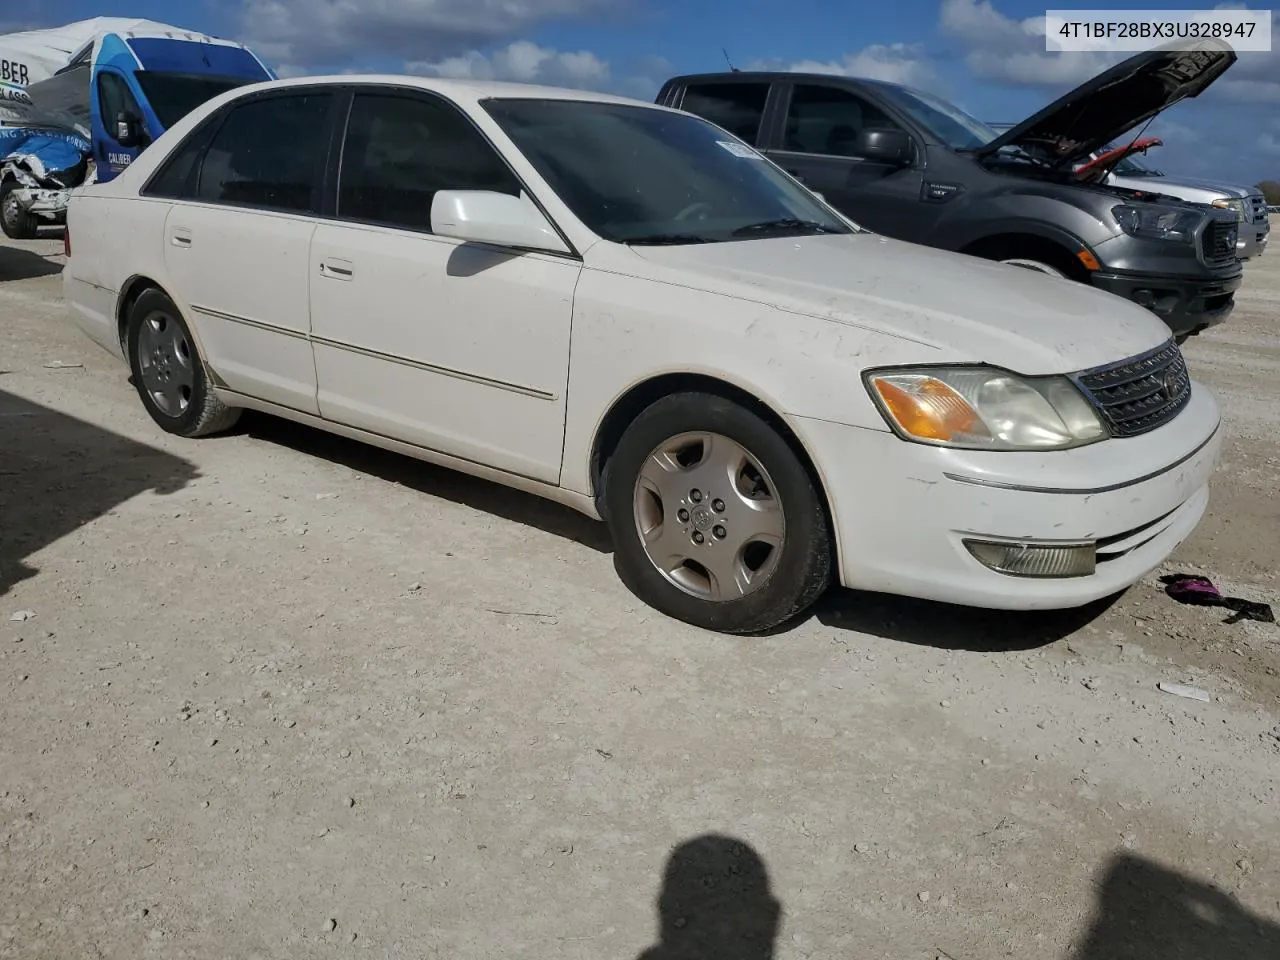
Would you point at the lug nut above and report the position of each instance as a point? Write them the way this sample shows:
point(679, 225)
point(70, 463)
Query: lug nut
point(698, 537)
point(717, 506)
point(683, 515)
point(695, 496)
point(720, 533)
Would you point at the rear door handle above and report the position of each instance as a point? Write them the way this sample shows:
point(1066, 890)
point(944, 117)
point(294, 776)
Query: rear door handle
point(337, 269)
point(181, 237)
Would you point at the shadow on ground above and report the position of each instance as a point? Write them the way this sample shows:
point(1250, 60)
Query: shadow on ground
point(58, 473)
point(716, 903)
point(434, 481)
point(893, 618)
point(947, 627)
point(19, 263)
point(1149, 912)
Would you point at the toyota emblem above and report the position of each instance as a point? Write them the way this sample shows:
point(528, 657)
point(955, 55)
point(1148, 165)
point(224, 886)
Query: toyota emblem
point(1173, 385)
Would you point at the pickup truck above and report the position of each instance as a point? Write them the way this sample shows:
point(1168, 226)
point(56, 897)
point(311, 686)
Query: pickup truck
point(911, 166)
point(123, 83)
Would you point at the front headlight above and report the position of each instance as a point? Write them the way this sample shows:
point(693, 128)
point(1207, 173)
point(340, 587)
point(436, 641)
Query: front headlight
point(1158, 223)
point(982, 408)
point(1242, 213)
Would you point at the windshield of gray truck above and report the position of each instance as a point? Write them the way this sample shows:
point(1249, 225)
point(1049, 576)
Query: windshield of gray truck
point(640, 175)
point(947, 122)
point(173, 95)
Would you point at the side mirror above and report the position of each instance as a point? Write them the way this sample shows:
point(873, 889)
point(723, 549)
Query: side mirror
point(128, 130)
point(884, 146)
point(484, 216)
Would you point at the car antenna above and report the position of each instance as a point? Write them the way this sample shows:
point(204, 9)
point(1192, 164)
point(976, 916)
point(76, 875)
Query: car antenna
point(728, 61)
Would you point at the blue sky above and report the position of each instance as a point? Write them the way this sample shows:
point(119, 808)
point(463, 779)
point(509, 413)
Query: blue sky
point(982, 54)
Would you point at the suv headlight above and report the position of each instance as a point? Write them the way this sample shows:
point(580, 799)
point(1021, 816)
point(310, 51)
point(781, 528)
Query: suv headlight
point(1241, 211)
point(1158, 223)
point(984, 408)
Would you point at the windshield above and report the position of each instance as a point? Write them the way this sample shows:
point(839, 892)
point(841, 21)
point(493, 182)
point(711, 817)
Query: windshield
point(1131, 166)
point(173, 95)
point(951, 125)
point(637, 174)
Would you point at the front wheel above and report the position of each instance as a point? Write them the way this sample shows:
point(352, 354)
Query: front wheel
point(715, 520)
point(168, 373)
point(16, 221)
point(1037, 265)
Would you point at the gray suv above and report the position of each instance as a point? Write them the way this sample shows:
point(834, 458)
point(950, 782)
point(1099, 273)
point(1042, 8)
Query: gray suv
point(909, 165)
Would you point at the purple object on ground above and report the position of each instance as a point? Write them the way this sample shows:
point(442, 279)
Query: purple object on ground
point(1200, 592)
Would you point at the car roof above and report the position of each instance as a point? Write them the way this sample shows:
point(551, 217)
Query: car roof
point(458, 89)
point(774, 76)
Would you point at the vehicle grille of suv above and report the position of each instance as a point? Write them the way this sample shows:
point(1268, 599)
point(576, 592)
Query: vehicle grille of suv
point(1219, 242)
point(1140, 394)
point(1257, 207)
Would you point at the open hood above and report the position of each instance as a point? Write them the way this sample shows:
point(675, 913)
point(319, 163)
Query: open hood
point(1097, 112)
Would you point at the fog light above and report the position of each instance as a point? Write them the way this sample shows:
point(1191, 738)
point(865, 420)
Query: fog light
point(1035, 559)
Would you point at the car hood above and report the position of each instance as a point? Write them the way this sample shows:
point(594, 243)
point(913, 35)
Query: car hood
point(1215, 186)
point(970, 310)
point(1097, 112)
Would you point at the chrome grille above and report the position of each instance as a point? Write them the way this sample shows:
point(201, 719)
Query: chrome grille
point(1257, 205)
point(1219, 242)
point(1140, 394)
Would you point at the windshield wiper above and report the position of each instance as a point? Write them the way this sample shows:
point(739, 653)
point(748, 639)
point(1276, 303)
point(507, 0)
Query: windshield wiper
point(784, 225)
point(667, 239)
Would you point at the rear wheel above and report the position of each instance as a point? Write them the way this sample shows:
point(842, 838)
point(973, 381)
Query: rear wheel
point(715, 519)
point(168, 373)
point(17, 222)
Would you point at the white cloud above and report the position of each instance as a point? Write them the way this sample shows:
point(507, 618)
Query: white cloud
point(337, 33)
point(895, 62)
point(1012, 51)
point(524, 62)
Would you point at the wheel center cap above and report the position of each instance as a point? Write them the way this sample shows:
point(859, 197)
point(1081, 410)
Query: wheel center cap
point(702, 519)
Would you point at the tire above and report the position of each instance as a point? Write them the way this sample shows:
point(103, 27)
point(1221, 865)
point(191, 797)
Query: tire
point(168, 373)
point(1038, 266)
point(679, 473)
point(18, 224)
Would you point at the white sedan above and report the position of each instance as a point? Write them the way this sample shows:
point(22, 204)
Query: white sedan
point(626, 309)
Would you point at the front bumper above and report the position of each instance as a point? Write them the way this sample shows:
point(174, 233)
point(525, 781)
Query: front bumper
point(1185, 305)
point(902, 510)
point(1253, 239)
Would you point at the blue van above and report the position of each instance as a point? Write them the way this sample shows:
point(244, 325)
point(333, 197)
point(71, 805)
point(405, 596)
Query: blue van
point(115, 96)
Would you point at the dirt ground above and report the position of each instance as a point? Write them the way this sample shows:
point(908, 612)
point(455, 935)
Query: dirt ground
point(284, 696)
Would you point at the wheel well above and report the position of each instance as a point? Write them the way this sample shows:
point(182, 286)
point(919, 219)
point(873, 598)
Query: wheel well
point(1029, 246)
point(134, 289)
point(633, 403)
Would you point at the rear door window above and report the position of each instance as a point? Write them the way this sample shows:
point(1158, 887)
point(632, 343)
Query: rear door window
point(269, 153)
point(737, 107)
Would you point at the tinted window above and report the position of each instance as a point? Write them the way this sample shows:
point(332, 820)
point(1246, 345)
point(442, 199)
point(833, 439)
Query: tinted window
point(738, 107)
point(173, 95)
point(268, 153)
point(400, 150)
point(175, 173)
point(115, 98)
point(827, 120)
point(642, 175)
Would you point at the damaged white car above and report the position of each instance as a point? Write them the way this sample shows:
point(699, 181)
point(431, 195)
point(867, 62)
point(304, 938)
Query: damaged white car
point(624, 308)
